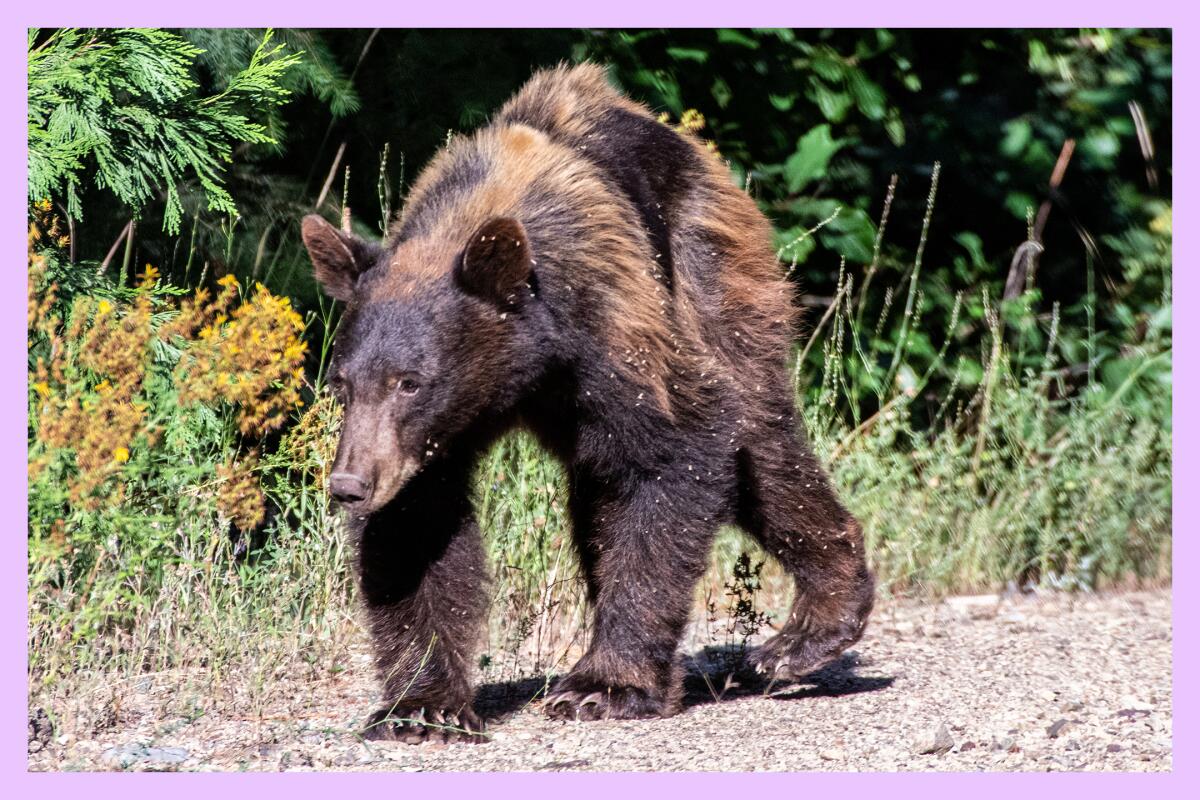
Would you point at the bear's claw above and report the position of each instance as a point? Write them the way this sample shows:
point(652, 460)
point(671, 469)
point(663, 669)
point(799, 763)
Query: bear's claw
point(787, 661)
point(415, 726)
point(610, 703)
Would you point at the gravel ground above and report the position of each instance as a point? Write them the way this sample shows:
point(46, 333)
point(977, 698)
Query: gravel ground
point(985, 683)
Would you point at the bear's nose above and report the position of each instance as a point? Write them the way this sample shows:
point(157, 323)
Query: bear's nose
point(346, 487)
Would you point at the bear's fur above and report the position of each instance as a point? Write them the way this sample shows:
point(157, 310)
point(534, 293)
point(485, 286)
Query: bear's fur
point(583, 270)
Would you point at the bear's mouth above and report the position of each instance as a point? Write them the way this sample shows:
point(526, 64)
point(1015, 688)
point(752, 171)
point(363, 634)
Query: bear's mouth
point(391, 480)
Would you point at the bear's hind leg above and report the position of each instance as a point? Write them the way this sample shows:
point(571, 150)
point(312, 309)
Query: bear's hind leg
point(787, 503)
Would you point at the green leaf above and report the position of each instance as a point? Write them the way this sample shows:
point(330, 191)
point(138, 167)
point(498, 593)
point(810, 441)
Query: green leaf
point(867, 94)
point(970, 372)
point(731, 36)
point(829, 66)
point(1101, 144)
point(1019, 203)
point(688, 54)
point(811, 159)
point(793, 245)
point(833, 105)
point(721, 92)
point(851, 234)
point(1017, 133)
point(782, 102)
point(974, 246)
point(894, 126)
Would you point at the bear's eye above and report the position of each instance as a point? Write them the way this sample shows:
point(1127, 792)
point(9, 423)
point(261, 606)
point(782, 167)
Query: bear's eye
point(408, 386)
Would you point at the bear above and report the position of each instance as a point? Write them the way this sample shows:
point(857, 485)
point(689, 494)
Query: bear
point(583, 270)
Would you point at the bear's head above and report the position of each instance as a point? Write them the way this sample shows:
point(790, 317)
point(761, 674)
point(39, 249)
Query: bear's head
point(437, 336)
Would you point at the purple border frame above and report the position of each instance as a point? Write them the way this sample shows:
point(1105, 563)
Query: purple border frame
point(614, 13)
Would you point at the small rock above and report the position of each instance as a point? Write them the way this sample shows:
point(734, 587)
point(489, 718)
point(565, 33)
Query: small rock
point(1113, 748)
point(975, 606)
point(967, 746)
point(1007, 743)
point(1133, 703)
point(1133, 713)
point(65, 739)
point(40, 727)
point(130, 755)
point(833, 754)
point(34, 746)
point(555, 766)
point(936, 743)
point(393, 752)
point(1056, 729)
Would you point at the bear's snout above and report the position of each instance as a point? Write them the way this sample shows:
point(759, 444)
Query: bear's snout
point(348, 488)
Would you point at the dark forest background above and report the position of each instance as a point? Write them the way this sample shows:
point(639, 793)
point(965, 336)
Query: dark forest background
point(812, 122)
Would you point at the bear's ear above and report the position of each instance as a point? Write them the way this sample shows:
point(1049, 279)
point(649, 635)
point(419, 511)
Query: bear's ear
point(338, 258)
point(497, 260)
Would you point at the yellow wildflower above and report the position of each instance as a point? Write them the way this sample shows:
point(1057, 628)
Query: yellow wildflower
point(121, 454)
point(691, 120)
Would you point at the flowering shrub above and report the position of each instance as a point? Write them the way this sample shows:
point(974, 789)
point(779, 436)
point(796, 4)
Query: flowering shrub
point(250, 357)
point(147, 412)
point(91, 395)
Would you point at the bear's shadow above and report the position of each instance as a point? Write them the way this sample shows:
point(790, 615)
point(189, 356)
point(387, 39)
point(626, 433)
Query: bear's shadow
point(715, 674)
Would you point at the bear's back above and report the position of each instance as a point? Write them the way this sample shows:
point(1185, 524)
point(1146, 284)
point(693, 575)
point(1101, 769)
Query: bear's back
point(643, 215)
point(653, 166)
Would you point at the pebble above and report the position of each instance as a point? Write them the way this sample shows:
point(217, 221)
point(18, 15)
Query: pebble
point(1133, 703)
point(130, 755)
point(980, 606)
point(936, 742)
point(1058, 728)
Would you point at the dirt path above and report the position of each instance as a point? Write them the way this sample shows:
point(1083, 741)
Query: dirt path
point(970, 684)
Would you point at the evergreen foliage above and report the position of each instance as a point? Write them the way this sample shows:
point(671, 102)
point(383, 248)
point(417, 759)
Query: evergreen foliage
point(124, 106)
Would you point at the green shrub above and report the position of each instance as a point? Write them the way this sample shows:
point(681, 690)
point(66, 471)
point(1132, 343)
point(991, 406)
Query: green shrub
point(122, 106)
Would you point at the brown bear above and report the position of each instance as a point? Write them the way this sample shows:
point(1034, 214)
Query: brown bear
point(581, 269)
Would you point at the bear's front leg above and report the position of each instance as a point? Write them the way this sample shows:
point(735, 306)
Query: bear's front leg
point(645, 547)
point(421, 565)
